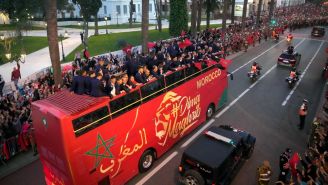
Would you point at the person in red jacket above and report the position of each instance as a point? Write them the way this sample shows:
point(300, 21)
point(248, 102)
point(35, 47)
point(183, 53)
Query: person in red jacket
point(16, 75)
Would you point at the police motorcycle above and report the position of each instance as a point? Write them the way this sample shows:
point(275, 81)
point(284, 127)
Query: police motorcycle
point(292, 78)
point(276, 37)
point(253, 74)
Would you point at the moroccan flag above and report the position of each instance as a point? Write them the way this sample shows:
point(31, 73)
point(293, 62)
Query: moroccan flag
point(5, 150)
point(127, 49)
point(225, 63)
point(151, 45)
point(294, 160)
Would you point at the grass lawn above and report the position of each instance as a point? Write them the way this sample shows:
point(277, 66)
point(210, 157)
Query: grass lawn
point(114, 26)
point(30, 44)
point(104, 43)
point(5, 27)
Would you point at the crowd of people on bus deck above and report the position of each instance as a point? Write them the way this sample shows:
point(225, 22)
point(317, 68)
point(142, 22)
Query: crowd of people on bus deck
point(111, 75)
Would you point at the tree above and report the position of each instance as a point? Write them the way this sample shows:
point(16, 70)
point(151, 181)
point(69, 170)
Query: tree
point(244, 14)
point(144, 25)
point(271, 7)
point(51, 18)
point(224, 16)
point(233, 3)
point(88, 8)
point(193, 17)
point(210, 5)
point(199, 14)
point(131, 12)
point(158, 14)
point(258, 14)
point(178, 17)
point(166, 8)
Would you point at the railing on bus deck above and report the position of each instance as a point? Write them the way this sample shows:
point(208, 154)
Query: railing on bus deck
point(137, 96)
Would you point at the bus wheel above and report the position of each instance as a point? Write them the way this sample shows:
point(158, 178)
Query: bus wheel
point(146, 161)
point(210, 111)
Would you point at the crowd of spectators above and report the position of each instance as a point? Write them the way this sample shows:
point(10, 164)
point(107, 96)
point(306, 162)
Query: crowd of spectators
point(111, 75)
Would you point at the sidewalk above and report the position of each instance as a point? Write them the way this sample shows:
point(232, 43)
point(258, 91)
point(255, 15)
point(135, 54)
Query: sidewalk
point(40, 59)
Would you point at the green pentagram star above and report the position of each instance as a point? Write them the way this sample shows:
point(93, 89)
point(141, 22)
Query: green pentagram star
point(106, 154)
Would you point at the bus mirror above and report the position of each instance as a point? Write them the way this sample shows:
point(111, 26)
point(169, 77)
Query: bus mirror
point(231, 76)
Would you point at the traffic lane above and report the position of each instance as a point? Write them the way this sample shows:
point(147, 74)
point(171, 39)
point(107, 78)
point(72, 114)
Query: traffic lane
point(251, 53)
point(31, 174)
point(266, 61)
point(170, 169)
point(310, 88)
point(267, 121)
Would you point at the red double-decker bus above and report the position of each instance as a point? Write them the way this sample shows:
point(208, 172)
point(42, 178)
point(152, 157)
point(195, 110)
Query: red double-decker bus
point(101, 141)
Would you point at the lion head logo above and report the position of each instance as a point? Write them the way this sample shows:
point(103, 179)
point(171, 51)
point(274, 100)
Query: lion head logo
point(165, 115)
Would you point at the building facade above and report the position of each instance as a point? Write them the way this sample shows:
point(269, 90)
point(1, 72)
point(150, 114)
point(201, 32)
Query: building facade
point(117, 11)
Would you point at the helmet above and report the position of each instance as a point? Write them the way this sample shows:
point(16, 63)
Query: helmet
point(305, 101)
point(294, 69)
point(254, 63)
point(288, 150)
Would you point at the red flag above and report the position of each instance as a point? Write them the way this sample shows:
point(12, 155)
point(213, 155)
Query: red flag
point(21, 142)
point(127, 49)
point(151, 45)
point(187, 42)
point(294, 160)
point(210, 62)
point(5, 150)
point(198, 65)
point(225, 63)
point(183, 33)
point(181, 45)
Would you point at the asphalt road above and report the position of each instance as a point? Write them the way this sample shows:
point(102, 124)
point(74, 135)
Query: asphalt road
point(257, 108)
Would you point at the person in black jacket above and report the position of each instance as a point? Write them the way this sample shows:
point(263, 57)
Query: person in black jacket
point(97, 86)
point(88, 82)
point(2, 84)
point(78, 85)
point(139, 75)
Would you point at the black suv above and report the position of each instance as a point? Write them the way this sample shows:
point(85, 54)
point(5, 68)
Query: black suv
point(215, 156)
point(318, 31)
point(289, 59)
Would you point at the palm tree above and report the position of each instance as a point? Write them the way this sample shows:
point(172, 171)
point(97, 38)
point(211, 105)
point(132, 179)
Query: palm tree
point(131, 12)
point(199, 14)
point(210, 5)
point(96, 24)
point(224, 16)
point(233, 2)
point(271, 7)
point(51, 17)
point(244, 13)
point(144, 25)
point(258, 14)
point(193, 17)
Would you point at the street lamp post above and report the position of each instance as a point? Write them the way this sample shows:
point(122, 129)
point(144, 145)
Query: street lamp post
point(106, 24)
point(117, 18)
point(61, 40)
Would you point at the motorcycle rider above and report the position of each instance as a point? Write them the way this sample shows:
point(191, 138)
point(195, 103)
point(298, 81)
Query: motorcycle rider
point(255, 68)
point(290, 49)
point(289, 37)
point(293, 74)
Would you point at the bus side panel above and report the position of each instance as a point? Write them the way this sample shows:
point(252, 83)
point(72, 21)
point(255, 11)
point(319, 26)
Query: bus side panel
point(50, 145)
point(115, 148)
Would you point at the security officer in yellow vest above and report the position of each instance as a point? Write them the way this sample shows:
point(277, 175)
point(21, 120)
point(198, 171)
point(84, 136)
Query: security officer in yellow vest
point(264, 173)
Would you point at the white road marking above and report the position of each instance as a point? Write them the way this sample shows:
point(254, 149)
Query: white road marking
point(197, 133)
point(171, 156)
point(300, 79)
point(158, 167)
point(256, 57)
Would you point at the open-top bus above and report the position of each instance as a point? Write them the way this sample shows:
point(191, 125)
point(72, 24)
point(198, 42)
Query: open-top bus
point(84, 140)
